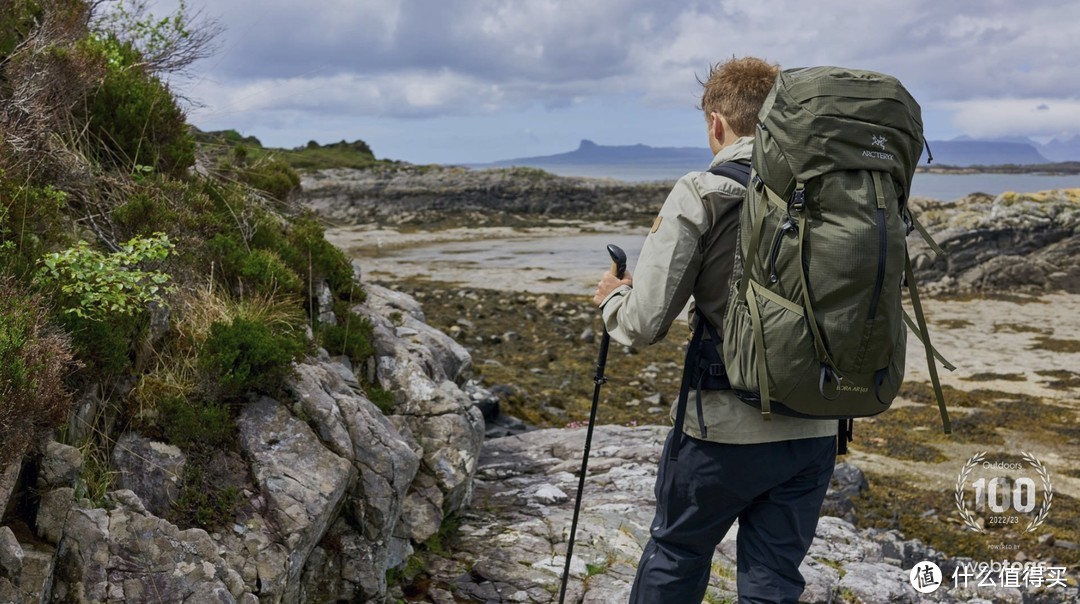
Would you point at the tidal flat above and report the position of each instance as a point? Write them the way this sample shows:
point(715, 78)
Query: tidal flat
point(533, 335)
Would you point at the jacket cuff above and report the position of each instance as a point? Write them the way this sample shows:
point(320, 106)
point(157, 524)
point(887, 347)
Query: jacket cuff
point(622, 290)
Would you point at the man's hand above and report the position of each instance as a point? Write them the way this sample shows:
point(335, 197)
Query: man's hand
point(610, 283)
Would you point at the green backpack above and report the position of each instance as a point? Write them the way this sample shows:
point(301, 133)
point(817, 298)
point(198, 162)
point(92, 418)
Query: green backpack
point(814, 325)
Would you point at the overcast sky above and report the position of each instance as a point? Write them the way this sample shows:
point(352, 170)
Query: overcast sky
point(458, 81)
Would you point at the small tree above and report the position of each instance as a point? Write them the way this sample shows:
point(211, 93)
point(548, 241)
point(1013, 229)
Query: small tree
point(166, 44)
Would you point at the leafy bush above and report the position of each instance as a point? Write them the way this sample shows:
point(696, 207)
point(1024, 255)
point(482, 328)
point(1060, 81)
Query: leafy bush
point(94, 285)
point(31, 218)
point(34, 358)
point(246, 355)
point(133, 116)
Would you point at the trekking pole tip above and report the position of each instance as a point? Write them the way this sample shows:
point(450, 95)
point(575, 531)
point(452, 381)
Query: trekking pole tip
point(618, 260)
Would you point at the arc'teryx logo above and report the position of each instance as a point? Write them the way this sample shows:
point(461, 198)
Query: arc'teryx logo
point(879, 142)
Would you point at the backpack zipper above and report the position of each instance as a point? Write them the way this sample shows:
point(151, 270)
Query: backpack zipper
point(775, 250)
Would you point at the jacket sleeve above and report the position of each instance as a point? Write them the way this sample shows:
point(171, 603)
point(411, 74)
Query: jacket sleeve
point(665, 272)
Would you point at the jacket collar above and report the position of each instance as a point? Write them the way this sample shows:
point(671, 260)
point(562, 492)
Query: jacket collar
point(740, 149)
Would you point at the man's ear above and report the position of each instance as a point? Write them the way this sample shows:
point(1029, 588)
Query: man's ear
point(716, 124)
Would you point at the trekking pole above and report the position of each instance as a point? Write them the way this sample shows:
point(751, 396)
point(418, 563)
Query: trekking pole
point(618, 268)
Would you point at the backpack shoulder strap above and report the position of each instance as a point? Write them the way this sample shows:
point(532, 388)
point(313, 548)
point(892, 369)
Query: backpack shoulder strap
point(689, 366)
point(739, 171)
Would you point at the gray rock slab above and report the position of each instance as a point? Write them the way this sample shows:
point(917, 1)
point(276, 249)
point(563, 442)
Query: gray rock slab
point(303, 482)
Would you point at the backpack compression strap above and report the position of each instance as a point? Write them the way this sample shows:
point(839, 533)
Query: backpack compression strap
point(735, 170)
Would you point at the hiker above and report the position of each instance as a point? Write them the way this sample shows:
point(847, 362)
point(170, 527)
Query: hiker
point(732, 465)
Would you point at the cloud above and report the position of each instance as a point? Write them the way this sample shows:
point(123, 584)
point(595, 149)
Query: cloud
point(1035, 117)
point(418, 58)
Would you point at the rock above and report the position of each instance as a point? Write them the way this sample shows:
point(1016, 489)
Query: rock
point(60, 465)
point(353, 428)
point(847, 483)
point(52, 513)
point(153, 470)
point(437, 414)
point(325, 300)
point(588, 336)
point(35, 580)
point(11, 554)
point(9, 478)
point(124, 554)
point(410, 194)
point(303, 482)
point(1025, 243)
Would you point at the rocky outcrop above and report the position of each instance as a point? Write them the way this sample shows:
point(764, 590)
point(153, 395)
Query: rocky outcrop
point(435, 194)
point(512, 540)
point(1017, 243)
point(333, 490)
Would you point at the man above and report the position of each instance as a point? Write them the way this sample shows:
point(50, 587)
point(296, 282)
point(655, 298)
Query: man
point(771, 476)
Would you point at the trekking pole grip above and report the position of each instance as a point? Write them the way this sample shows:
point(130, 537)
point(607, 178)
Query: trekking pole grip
point(618, 260)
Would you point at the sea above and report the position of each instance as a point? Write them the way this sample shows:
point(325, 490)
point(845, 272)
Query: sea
point(947, 187)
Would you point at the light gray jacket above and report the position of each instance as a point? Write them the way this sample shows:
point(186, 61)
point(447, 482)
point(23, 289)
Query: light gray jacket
point(690, 251)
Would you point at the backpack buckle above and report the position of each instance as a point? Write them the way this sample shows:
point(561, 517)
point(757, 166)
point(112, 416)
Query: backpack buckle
point(798, 202)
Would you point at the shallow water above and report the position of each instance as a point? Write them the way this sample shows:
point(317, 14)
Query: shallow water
point(563, 260)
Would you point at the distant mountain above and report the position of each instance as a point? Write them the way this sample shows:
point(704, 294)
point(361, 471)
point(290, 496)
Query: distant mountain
point(966, 152)
point(1062, 149)
point(621, 161)
point(642, 162)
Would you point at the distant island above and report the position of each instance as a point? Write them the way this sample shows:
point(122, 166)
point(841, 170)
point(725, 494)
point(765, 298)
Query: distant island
point(953, 156)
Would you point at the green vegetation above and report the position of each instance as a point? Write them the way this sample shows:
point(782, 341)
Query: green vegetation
point(33, 360)
point(171, 294)
point(234, 149)
point(94, 285)
point(246, 355)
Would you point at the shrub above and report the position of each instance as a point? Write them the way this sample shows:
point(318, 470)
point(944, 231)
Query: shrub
point(274, 177)
point(31, 218)
point(103, 348)
point(94, 285)
point(351, 338)
point(203, 501)
point(34, 358)
point(258, 269)
point(188, 424)
point(247, 355)
point(133, 116)
point(308, 250)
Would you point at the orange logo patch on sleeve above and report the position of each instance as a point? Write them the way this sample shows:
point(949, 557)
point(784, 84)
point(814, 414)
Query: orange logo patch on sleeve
point(656, 223)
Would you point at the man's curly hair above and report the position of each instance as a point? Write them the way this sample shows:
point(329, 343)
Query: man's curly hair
point(736, 89)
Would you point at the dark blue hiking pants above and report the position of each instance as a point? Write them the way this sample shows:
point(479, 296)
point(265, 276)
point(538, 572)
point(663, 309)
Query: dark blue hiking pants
point(775, 491)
